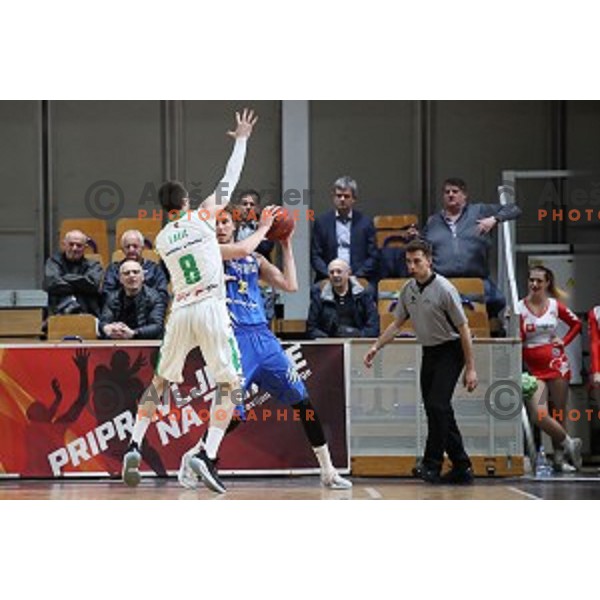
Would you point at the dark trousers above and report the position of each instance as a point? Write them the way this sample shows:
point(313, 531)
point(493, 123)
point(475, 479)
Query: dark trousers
point(440, 370)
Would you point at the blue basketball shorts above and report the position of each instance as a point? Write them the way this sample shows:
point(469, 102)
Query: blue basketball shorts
point(265, 363)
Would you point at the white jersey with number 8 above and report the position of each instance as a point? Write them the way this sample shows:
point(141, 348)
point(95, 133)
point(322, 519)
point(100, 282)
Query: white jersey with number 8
point(190, 250)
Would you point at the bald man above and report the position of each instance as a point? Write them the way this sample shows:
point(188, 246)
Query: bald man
point(342, 307)
point(155, 276)
point(134, 311)
point(72, 281)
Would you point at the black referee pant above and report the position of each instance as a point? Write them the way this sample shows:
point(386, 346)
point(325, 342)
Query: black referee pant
point(440, 369)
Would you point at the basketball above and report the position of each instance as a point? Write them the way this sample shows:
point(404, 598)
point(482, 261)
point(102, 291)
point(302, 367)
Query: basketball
point(282, 226)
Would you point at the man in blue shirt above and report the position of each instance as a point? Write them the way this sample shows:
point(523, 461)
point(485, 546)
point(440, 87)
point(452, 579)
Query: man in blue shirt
point(264, 362)
point(460, 237)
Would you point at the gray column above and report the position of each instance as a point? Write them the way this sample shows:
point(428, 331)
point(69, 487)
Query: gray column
point(295, 182)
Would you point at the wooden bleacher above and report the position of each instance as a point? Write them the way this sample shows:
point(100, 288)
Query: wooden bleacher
point(81, 326)
point(390, 228)
point(477, 316)
point(21, 323)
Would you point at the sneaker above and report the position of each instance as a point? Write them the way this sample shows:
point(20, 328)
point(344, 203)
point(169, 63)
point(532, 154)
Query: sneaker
point(335, 481)
point(458, 476)
point(563, 467)
point(429, 475)
point(186, 476)
point(206, 468)
point(573, 450)
point(131, 466)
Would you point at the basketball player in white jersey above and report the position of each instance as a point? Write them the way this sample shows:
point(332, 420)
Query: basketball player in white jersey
point(199, 317)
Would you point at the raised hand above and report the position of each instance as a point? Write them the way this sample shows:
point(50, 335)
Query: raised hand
point(81, 359)
point(244, 124)
point(268, 215)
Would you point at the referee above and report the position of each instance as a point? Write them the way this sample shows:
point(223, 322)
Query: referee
point(434, 307)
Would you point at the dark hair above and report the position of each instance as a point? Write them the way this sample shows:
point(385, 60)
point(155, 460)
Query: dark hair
point(418, 245)
point(228, 208)
point(456, 182)
point(171, 195)
point(233, 210)
point(553, 289)
point(252, 193)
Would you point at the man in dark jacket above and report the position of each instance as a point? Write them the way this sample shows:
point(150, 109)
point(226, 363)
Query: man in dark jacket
point(135, 311)
point(249, 202)
point(72, 281)
point(344, 233)
point(342, 307)
point(132, 244)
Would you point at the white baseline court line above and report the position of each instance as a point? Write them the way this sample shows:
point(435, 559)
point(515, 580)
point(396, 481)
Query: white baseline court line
point(373, 493)
point(526, 494)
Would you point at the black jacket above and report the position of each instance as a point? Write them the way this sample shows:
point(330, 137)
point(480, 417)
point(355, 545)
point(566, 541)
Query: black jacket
point(323, 318)
point(154, 277)
point(73, 287)
point(150, 313)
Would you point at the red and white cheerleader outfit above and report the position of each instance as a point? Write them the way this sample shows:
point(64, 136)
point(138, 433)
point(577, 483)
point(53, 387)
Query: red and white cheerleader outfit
point(594, 331)
point(543, 357)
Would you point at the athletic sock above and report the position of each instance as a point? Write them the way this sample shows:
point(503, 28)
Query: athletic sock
point(213, 441)
point(324, 458)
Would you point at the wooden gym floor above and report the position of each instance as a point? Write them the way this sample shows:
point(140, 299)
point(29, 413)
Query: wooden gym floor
point(306, 488)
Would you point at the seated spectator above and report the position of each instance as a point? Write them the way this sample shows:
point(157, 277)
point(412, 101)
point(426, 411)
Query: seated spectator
point(249, 205)
point(345, 233)
point(393, 261)
point(155, 277)
point(71, 280)
point(460, 236)
point(342, 307)
point(134, 311)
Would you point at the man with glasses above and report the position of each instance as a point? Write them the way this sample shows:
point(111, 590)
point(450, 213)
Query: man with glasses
point(344, 233)
point(71, 280)
point(134, 311)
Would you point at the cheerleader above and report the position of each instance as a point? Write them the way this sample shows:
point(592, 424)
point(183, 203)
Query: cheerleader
point(544, 357)
point(594, 331)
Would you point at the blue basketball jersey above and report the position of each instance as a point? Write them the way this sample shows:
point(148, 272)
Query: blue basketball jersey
point(244, 299)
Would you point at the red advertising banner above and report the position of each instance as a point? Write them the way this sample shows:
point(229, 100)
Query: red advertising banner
point(66, 410)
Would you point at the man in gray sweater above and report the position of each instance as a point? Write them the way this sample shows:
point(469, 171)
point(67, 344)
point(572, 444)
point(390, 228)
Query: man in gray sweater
point(460, 237)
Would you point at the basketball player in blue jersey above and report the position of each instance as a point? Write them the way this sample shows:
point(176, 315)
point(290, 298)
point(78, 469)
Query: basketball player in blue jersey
point(199, 317)
point(264, 362)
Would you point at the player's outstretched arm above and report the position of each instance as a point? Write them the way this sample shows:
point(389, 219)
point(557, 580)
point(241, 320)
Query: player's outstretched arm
point(224, 191)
